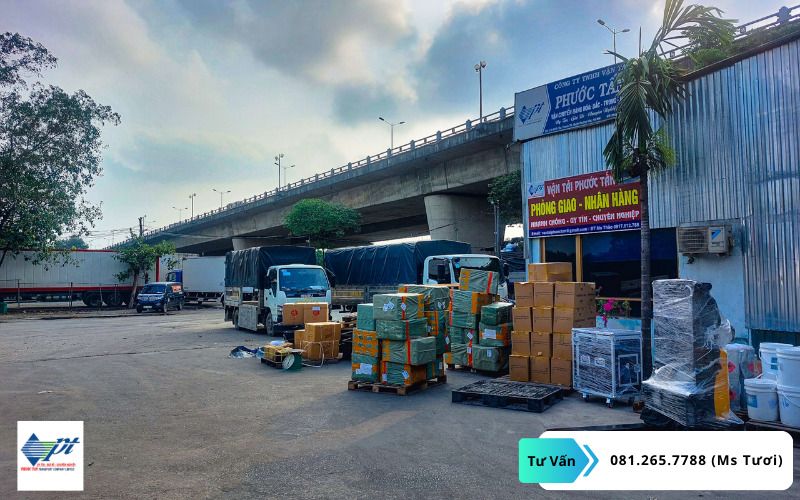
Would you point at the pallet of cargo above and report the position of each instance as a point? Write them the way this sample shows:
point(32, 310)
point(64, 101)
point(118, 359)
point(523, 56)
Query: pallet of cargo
point(522, 396)
point(762, 425)
point(469, 369)
point(400, 390)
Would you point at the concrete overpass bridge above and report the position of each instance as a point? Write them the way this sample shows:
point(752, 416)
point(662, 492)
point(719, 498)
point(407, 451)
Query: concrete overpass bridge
point(436, 185)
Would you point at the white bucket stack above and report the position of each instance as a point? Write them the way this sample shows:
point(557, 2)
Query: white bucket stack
point(788, 384)
point(769, 359)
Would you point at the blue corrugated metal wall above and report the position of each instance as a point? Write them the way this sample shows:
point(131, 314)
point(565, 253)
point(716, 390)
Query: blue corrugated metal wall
point(738, 157)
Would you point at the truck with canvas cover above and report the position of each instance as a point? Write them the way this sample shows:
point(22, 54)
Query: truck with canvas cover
point(362, 272)
point(261, 281)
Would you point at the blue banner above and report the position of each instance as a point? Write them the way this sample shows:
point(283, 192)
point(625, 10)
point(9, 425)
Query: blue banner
point(574, 102)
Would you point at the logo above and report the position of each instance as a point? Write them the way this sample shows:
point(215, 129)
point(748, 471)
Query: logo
point(536, 190)
point(50, 456)
point(525, 113)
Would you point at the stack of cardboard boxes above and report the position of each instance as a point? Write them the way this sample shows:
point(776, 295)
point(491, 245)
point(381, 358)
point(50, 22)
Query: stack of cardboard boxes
point(547, 309)
point(319, 340)
point(477, 339)
point(300, 313)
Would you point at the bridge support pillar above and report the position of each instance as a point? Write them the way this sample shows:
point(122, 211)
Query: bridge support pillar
point(462, 218)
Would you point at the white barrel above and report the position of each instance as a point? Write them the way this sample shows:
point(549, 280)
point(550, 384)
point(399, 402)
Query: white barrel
point(788, 366)
point(762, 399)
point(769, 359)
point(789, 398)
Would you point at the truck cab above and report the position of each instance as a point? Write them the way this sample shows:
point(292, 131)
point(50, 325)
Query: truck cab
point(446, 269)
point(294, 283)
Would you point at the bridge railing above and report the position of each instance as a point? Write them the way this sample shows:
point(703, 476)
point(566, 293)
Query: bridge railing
point(246, 203)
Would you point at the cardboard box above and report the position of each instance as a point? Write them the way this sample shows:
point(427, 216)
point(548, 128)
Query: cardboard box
point(327, 331)
point(561, 372)
point(523, 293)
point(564, 320)
point(519, 368)
point(540, 369)
point(543, 294)
point(550, 271)
point(574, 295)
point(293, 314)
point(299, 337)
point(543, 319)
point(522, 318)
point(562, 345)
point(315, 312)
point(541, 344)
point(320, 350)
point(521, 343)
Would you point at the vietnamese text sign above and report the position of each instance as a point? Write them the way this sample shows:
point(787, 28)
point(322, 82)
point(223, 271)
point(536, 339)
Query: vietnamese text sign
point(573, 102)
point(586, 203)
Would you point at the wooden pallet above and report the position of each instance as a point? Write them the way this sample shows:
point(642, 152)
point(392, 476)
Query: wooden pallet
point(348, 322)
point(400, 390)
point(522, 396)
point(761, 425)
point(469, 369)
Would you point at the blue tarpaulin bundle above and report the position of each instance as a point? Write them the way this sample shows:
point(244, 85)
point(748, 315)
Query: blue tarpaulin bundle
point(249, 267)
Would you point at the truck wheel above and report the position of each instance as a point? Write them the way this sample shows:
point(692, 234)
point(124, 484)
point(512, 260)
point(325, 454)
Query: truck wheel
point(139, 309)
point(93, 299)
point(269, 324)
point(113, 299)
point(236, 320)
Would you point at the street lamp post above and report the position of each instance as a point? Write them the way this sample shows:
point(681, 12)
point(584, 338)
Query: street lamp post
point(613, 32)
point(278, 163)
point(479, 69)
point(180, 212)
point(191, 197)
point(391, 125)
point(285, 178)
point(220, 195)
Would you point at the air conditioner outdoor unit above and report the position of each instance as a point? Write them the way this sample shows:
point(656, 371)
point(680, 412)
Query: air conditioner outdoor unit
point(704, 239)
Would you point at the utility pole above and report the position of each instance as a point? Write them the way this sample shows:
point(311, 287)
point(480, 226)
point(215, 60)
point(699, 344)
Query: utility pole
point(479, 69)
point(278, 163)
point(191, 197)
point(498, 236)
point(141, 226)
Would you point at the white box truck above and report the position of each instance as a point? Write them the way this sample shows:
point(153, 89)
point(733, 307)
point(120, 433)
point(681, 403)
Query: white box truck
point(203, 278)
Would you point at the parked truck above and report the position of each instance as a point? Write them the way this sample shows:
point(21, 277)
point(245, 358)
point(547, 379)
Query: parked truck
point(362, 272)
point(203, 278)
point(260, 281)
point(85, 275)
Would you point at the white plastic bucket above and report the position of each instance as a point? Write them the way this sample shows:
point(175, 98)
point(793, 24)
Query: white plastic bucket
point(789, 401)
point(762, 400)
point(788, 366)
point(769, 359)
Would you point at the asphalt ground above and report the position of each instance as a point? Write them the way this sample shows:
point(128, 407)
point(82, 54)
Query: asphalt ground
point(167, 414)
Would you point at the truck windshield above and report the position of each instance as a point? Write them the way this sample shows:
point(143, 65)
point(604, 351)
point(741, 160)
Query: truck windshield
point(482, 263)
point(153, 289)
point(298, 279)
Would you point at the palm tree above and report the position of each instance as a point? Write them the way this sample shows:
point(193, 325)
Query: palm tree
point(649, 87)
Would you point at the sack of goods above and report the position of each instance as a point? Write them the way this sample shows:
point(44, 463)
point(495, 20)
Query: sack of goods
point(469, 302)
point(476, 280)
point(401, 329)
point(365, 320)
point(411, 352)
point(434, 297)
point(463, 320)
point(366, 342)
point(496, 313)
point(495, 335)
point(491, 359)
point(437, 327)
point(397, 306)
point(460, 354)
point(366, 368)
point(405, 374)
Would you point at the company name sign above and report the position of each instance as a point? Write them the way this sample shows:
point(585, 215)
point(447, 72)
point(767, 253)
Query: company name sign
point(579, 101)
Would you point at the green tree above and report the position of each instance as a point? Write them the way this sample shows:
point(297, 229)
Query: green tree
point(73, 241)
point(322, 222)
point(506, 190)
point(139, 257)
point(649, 84)
point(50, 153)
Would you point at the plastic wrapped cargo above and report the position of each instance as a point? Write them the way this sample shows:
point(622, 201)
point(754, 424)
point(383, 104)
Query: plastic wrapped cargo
point(741, 366)
point(477, 280)
point(404, 374)
point(491, 359)
point(365, 319)
point(396, 306)
point(607, 362)
point(495, 335)
point(469, 302)
point(461, 354)
point(366, 342)
point(366, 368)
point(437, 321)
point(496, 313)
point(435, 297)
point(411, 352)
point(462, 335)
point(463, 319)
point(402, 329)
point(689, 384)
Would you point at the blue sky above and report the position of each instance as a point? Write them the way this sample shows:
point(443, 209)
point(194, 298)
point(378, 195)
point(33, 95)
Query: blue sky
point(211, 91)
